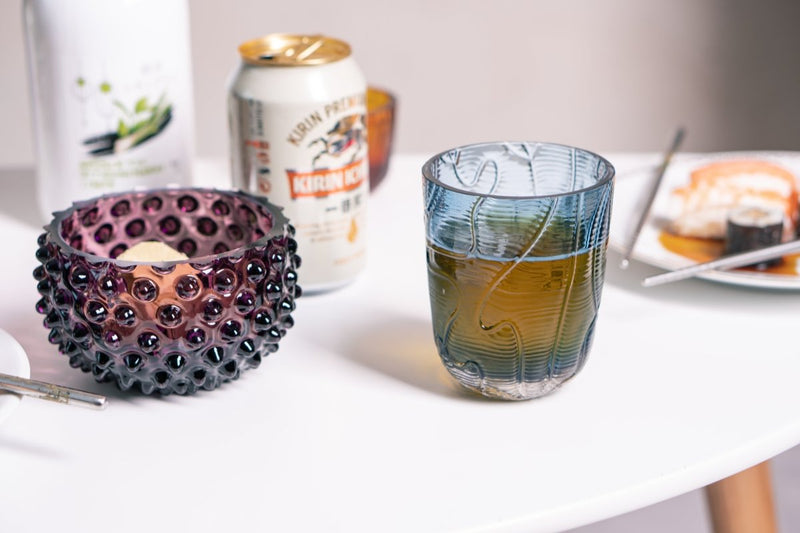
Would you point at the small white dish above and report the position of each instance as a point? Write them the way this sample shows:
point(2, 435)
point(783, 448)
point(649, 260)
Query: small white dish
point(14, 361)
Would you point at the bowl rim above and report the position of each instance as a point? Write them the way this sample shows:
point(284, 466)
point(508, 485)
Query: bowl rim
point(280, 224)
point(388, 105)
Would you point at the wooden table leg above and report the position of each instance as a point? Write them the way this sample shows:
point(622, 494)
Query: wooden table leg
point(742, 503)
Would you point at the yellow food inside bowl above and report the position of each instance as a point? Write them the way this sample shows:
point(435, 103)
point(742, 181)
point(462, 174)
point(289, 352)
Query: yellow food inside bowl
point(151, 252)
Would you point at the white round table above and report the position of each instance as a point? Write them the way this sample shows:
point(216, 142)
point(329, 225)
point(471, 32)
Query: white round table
point(354, 425)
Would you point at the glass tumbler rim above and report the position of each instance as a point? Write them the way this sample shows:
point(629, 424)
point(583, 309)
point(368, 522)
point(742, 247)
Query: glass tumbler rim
point(600, 183)
point(279, 220)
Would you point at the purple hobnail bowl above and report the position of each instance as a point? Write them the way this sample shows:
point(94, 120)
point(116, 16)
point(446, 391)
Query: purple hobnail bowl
point(173, 326)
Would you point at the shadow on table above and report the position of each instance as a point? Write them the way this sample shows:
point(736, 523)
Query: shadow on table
point(10, 443)
point(19, 195)
point(402, 348)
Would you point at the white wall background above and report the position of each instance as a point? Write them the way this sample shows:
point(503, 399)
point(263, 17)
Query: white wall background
point(609, 75)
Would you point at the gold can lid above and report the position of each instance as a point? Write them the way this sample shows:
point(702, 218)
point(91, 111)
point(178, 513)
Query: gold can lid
point(289, 50)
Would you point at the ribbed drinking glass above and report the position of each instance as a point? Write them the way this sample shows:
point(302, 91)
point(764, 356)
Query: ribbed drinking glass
point(516, 247)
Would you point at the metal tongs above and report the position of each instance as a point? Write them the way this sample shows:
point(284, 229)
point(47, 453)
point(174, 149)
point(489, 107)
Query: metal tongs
point(53, 393)
point(724, 263)
point(676, 142)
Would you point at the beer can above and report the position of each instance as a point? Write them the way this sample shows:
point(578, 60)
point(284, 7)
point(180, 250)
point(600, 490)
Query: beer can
point(111, 89)
point(297, 110)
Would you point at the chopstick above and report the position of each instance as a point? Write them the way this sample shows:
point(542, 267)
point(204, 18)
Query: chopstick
point(53, 393)
point(676, 142)
point(731, 261)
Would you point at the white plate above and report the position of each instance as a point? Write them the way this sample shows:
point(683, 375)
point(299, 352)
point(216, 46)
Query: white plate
point(629, 193)
point(12, 361)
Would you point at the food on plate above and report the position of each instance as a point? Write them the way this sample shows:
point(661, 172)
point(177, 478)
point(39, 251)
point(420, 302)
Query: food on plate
point(731, 206)
point(151, 252)
point(751, 228)
point(701, 208)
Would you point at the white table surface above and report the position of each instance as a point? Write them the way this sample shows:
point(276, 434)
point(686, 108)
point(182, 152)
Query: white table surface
point(354, 425)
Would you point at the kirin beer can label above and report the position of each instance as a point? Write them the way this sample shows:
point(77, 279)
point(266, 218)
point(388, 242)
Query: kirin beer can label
point(297, 109)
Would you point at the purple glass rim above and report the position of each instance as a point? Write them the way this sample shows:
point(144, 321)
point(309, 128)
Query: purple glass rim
point(279, 223)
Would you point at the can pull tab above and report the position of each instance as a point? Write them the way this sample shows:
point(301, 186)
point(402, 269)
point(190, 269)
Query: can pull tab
point(293, 50)
point(310, 49)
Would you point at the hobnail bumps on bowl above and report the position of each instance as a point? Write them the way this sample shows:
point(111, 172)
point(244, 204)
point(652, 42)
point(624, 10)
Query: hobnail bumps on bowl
point(174, 326)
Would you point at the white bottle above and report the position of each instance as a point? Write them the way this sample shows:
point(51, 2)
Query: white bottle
point(112, 96)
